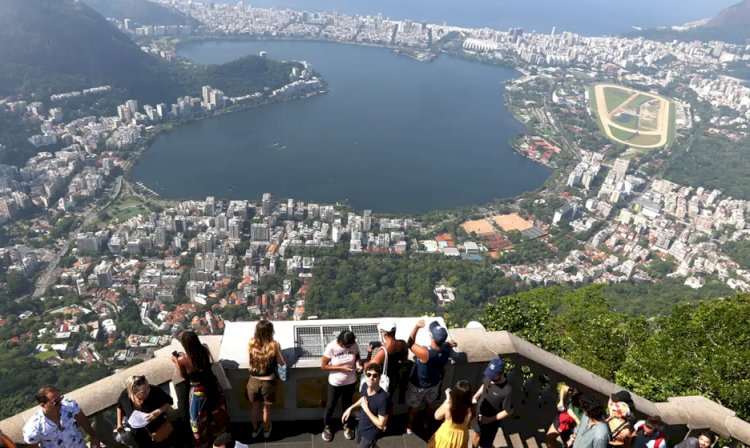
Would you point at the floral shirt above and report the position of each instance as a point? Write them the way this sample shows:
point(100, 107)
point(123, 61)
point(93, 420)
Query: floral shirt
point(39, 429)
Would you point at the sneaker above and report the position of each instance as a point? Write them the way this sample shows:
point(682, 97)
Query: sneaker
point(257, 431)
point(327, 434)
point(349, 434)
point(267, 434)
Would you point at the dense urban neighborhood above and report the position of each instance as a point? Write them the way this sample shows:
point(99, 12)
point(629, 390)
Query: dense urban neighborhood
point(97, 269)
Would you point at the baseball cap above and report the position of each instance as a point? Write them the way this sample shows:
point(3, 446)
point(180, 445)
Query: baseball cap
point(494, 368)
point(388, 326)
point(439, 334)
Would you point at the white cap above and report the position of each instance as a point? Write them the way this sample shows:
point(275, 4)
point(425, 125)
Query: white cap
point(388, 326)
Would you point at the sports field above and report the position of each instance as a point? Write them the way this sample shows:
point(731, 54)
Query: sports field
point(637, 119)
point(511, 222)
point(480, 226)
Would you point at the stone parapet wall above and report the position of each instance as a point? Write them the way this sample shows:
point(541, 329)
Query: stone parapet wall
point(302, 397)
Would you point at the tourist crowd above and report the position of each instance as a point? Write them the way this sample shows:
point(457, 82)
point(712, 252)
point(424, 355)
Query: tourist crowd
point(373, 376)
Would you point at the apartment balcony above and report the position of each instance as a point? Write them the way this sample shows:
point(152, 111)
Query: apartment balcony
point(300, 400)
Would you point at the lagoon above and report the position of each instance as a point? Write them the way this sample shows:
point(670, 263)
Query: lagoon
point(392, 135)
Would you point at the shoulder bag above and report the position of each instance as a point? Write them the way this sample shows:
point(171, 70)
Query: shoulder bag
point(219, 373)
point(164, 431)
point(385, 381)
point(281, 372)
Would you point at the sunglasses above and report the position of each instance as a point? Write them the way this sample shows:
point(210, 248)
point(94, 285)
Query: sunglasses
point(56, 401)
point(139, 380)
point(372, 375)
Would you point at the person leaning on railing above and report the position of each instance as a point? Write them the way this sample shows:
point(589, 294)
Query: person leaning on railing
point(569, 415)
point(423, 388)
point(264, 357)
point(207, 408)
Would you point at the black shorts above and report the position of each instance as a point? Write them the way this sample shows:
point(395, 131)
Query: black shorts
point(486, 432)
point(365, 442)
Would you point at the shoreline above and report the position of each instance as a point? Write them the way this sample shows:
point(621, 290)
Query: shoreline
point(161, 128)
point(181, 41)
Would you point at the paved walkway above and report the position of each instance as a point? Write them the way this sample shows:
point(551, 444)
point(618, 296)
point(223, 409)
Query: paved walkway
point(307, 435)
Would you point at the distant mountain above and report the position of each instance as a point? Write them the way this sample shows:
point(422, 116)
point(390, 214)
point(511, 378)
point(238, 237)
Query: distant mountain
point(52, 46)
point(729, 25)
point(144, 12)
point(735, 15)
point(66, 39)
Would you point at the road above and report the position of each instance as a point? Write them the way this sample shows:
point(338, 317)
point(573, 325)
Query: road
point(559, 133)
point(52, 271)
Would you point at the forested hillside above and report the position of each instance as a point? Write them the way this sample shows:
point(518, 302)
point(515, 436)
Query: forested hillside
point(699, 349)
point(54, 46)
point(144, 12)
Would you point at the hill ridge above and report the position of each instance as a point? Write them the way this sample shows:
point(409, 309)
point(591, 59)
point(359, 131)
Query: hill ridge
point(737, 14)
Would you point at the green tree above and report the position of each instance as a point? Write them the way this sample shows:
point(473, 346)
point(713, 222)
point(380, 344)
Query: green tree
point(526, 314)
point(17, 284)
point(660, 268)
point(593, 336)
point(700, 349)
point(739, 251)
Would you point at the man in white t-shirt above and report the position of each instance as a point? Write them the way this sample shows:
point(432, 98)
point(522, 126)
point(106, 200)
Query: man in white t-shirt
point(341, 361)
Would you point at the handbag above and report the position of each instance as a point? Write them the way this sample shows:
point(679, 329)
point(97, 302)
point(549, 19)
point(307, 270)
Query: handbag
point(385, 381)
point(218, 370)
point(8, 443)
point(124, 436)
point(281, 372)
point(221, 376)
point(164, 431)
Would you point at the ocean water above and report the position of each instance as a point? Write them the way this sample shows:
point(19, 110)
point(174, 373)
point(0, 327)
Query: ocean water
point(591, 17)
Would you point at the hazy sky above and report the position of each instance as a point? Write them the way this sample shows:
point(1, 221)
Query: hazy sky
point(583, 16)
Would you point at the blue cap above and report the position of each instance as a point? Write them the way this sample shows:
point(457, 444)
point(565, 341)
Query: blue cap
point(439, 334)
point(494, 368)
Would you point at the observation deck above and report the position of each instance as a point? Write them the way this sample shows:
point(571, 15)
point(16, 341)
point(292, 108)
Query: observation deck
point(297, 414)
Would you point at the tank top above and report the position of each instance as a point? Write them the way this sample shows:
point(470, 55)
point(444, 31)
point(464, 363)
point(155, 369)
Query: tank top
point(394, 359)
point(430, 373)
point(270, 368)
